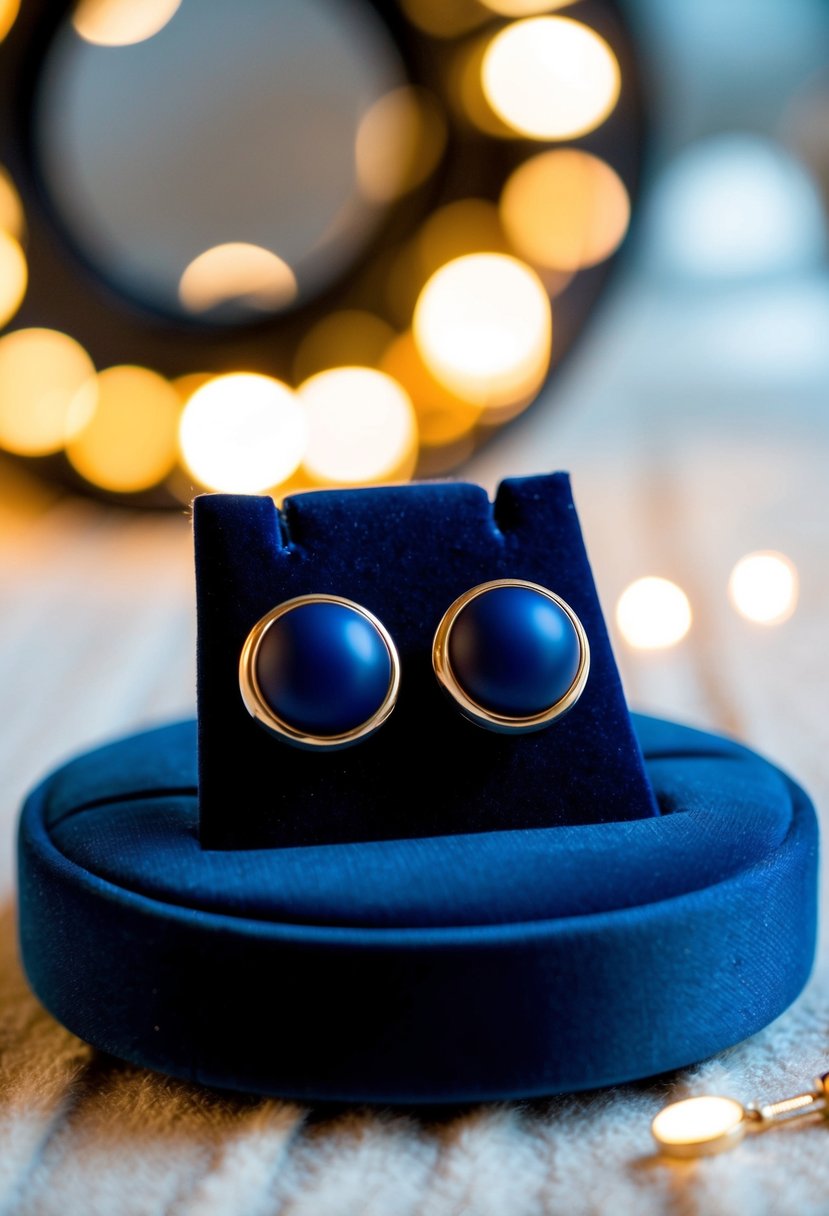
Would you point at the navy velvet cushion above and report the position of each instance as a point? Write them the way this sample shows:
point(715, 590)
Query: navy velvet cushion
point(149, 842)
point(491, 964)
point(405, 553)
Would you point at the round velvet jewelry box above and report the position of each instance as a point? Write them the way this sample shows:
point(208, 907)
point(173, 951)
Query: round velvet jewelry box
point(433, 969)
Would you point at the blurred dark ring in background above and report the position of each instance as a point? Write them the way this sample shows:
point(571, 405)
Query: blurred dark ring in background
point(140, 366)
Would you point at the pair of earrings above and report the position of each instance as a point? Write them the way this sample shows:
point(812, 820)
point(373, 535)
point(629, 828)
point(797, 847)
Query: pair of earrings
point(320, 671)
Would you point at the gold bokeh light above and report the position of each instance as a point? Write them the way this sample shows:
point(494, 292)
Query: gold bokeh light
point(524, 8)
point(348, 337)
point(243, 433)
point(550, 77)
point(443, 418)
point(483, 327)
point(565, 210)
point(399, 142)
point(653, 614)
point(122, 22)
point(468, 225)
point(187, 384)
point(763, 587)
point(465, 88)
point(362, 428)
point(12, 219)
point(237, 272)
point(14, 277)
point(444, 18)
point(8, 15)
point(129, 443)
point(47, 391)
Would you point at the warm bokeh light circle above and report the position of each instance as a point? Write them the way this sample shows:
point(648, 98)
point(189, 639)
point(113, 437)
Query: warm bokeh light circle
point(237, 272)
point(121, 22)
point(14, 276)
point(565, 210)
point(763, 587)
point(550, 77)
point(399, 142)
point(12, 219)
point(653, 614)
point(242, 433)
point(483, 327)
point(524, 8)
point(362, 427)
point(129, 441)
point(47, 391)
point(8, 14)
point(443, 418)
point(350, 336)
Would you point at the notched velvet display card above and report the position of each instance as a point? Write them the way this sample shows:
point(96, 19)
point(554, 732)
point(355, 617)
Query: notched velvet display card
point(405, 553)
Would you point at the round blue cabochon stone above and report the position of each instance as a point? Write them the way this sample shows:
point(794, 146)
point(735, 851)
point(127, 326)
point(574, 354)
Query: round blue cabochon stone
point(323, 668)
point(514, 651)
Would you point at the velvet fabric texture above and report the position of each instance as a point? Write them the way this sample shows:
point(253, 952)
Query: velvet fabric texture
point(436, 969)
point(405, 553)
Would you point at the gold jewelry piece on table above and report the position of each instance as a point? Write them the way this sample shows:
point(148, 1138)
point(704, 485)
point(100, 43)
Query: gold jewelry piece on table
point(700, 1127)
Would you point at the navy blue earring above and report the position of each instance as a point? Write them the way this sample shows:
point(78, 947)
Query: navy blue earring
point(319, 671)
point(512, 654)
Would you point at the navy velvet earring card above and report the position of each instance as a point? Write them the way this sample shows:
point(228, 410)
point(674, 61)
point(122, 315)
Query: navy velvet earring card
point(405, 553)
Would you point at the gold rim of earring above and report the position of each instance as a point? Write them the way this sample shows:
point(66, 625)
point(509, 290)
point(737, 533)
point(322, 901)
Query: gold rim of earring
point(258, 707)
point(472, 709)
